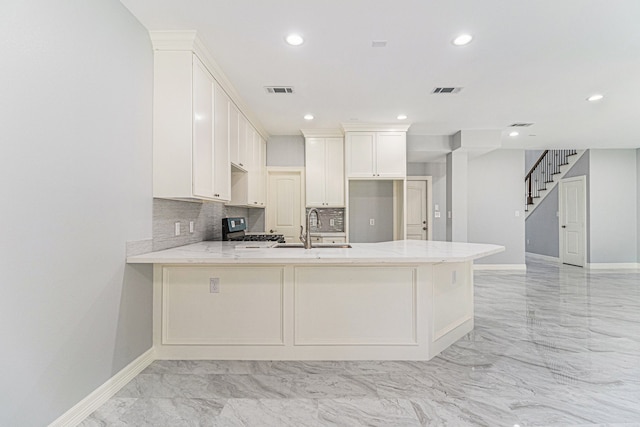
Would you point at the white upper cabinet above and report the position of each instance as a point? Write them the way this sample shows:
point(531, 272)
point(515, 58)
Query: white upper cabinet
point(221, 161)
point(324, 170)
point(256, 168)
point(376, 155)
point(190, 130)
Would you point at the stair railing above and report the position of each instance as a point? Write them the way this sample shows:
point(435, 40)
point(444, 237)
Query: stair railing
point(542, 172)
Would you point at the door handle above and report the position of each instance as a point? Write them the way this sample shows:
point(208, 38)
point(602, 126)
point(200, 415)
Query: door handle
point(271, 231)
point(564, 226)
point(424, 228)
point(424, 222)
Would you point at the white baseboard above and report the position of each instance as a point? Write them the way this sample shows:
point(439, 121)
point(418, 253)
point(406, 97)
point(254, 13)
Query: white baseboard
point(542, 257)
point(106, 391)
point(612, 265)
point(512, 267)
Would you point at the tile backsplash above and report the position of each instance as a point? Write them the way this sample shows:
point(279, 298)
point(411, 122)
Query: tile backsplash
point(207, 219)
point(325, 220)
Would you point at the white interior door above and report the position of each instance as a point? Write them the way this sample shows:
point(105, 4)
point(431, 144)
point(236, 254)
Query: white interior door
point(572, 220)
point(284, 208)
point(418, 209)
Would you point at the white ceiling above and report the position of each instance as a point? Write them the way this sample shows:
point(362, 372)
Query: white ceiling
point(530, 61)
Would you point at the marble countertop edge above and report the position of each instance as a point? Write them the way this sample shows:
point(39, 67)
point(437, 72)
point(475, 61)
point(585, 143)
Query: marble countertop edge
point(394, 252)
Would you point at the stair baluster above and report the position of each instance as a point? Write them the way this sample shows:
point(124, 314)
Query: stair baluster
point(547, 165)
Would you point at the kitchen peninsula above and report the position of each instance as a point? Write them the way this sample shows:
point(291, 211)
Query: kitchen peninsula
point(398, 300)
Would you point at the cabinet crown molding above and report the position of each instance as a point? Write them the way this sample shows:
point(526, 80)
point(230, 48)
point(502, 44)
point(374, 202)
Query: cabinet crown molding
point(322, 133)
point(375, 127)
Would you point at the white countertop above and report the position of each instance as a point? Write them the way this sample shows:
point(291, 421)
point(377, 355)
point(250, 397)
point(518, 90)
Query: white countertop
point(395, 252)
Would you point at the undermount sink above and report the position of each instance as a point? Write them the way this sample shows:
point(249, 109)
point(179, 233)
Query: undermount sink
point(315, 245)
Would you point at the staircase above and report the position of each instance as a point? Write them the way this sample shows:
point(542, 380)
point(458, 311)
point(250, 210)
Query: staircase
point(545, 174)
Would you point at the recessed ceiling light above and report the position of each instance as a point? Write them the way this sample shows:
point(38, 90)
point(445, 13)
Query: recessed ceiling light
point(595, 97)
point(308, 116)
point(294, 39)
point(462, 39)
point(514, 133)
point(402, 117)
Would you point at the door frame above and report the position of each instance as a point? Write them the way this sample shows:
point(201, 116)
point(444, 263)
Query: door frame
point(300, 170)
point(561, 183)
point(429, 201)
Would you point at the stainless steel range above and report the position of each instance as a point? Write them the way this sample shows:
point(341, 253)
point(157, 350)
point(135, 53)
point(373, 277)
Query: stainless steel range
point(234, 229)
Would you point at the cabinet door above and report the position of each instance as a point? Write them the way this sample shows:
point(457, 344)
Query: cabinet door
point(391, 154)
point(221, 165)
point(360, 154)
point(234, 136)
point(334, 172)
point(315, 159)
point(254, 169)
point(202, 131)
point(263, 172)
point(243, 126)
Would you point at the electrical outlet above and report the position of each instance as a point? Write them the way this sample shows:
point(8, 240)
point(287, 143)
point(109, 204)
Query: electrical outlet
point(372, 221)
point(191, 227)
point(436, 214)
point(214, 285)
point(332, 222)
point(177, 228)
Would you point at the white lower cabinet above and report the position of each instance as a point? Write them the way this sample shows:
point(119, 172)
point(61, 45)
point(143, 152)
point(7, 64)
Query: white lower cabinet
point(310, 311)
point(222, 306)
point(328, 239)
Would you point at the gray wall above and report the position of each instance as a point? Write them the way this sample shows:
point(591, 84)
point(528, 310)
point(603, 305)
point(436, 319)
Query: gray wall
point(530, 157)
point(542, 235)
point(370, 199)
point(612, 206)
point(75, 166)
point(285, 150)
point(494, 196)
point(638, 201)
point(438, 172)
point(457, 212)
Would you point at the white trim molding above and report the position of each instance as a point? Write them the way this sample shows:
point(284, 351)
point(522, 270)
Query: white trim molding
point(507, 267)
point(612, 265)
point(106, 391)
point(541, 257)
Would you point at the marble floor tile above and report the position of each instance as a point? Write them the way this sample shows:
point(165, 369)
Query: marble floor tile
point(553, 346)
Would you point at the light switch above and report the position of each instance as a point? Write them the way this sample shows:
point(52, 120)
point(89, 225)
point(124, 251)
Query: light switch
point(517, 213)
point(191, 227)
point(372, 221)
point(437, 207)
point(176, 229)
point(332, 222)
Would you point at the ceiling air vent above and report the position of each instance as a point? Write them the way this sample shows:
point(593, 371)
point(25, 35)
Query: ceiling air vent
point(520, 125)
point(279, 89)
point(446, 90)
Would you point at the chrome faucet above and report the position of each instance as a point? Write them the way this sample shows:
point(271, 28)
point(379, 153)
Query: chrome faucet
point(306, 238)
